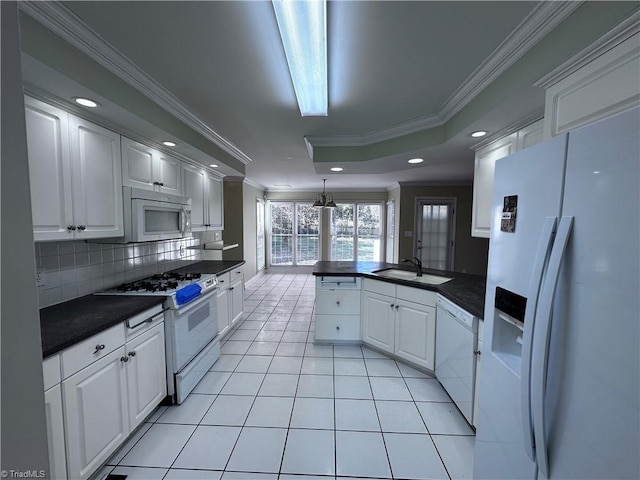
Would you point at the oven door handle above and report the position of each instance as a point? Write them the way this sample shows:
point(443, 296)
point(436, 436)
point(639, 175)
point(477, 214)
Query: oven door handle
point(187, 307)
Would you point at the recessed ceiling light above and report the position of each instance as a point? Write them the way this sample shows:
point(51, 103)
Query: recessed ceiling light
point(336, 169)
point(478, 134)
point(86, 102)
point(416, 160)
point(169, 144)
point(214, 165)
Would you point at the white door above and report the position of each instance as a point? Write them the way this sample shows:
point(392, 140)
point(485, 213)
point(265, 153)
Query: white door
point(137, 164)
point(55, 433)
point(415, 333)
point(435, 226)
point(214, 202)
point(194, 184)
point(97, 180)
point(378, 313)
point(146, 374)
point(49, 171)
point(95, 412)
point(167, 172)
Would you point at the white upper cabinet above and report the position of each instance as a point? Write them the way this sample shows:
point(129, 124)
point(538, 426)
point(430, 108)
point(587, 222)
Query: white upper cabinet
point(147, 168)
point(75, 175)
point(205, 190)
point(97, 180)
point(215, 220)
point(483, 174)
point(604, 86)
point(194, 185)
point(49, 170)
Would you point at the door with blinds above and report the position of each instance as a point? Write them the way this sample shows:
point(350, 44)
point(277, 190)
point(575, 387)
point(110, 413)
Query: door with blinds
point(435, 232)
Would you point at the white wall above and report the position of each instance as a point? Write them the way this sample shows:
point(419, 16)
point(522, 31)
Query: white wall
point(24, 438)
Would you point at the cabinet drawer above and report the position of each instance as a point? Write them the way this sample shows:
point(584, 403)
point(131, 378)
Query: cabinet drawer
point(224, 280)
point(88, 351)
point(338, 302)
point(336, 282)
point(376, 286)
point(236, 273)
point(338, 328)
point(417, 295)
point(51, 371)
point(142, 322)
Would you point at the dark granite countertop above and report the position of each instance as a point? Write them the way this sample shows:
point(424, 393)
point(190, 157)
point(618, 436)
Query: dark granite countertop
point(465, 290)
point(68, 323)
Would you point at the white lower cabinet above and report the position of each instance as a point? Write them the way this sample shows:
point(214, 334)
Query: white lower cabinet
point(230, 299)
point(146, 375)
point(378, 318)
point(95, 410)
point(415, 333)
point(99, 390)
point(55, 433)
point(476, 390)
point(393, 321)
point(338, 310)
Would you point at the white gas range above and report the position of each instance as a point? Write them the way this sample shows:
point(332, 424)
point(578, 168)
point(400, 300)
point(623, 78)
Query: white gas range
point(191, 324)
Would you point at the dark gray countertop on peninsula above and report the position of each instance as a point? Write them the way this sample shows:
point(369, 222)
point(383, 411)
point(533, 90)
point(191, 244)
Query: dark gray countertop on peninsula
point(465, 290)
point(68, 323)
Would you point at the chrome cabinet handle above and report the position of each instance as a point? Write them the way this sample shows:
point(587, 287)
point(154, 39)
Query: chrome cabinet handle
point(82, 227)
point(160, 184)
point(338, 303)
point(132, 354)
point(99, 347)
point(338, 328)
point(124, 359)
point(71, 227)
point(397, 307)
point(392, 305)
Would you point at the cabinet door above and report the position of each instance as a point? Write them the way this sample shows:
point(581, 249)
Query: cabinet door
point(415, 333)
point(194, 183)
point(214, 202)
point(95, 412)
point(55, 433)
point(167, 171)
point(146, 374)
point(483, 183)
point(97, 180)
point(137, 164)
point(377, 321)
point(224, 315)
point(236, 292)
point(49, 170)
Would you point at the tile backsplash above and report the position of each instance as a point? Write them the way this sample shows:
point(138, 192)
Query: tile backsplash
point(72, 269)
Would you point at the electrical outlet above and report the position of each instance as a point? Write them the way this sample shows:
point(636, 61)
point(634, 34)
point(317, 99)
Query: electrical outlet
point(181, 250)
point(40, 279)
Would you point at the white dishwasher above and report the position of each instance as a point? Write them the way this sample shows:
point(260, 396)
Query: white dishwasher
point(456, 341)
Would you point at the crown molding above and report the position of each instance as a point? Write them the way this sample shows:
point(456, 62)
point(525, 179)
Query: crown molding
point(444, 183)
point(618, 34)
point(254, 184)
point(544, 18)
point(509, 129)
point(64, 23)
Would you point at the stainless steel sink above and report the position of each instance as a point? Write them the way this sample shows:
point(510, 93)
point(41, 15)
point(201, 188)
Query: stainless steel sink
point(412, 276)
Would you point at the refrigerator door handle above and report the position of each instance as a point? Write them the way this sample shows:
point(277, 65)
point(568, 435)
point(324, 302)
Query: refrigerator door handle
point(540, 347)
point(542, 254)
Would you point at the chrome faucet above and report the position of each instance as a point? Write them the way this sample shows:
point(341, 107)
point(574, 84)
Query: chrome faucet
point(417, 263)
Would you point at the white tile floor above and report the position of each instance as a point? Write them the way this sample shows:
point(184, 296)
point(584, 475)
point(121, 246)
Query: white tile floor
point(276, 406)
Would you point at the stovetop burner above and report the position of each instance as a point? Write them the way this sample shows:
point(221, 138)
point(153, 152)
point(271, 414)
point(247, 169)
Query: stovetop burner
point(148, 286)
point(176, 276)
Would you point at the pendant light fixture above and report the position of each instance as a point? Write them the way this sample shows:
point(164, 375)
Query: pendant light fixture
point(324, 199)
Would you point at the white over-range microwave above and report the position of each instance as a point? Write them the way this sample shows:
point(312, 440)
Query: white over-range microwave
point(150, 216)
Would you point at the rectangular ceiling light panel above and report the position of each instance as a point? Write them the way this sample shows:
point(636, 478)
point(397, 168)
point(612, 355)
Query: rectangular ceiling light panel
point(303, 29)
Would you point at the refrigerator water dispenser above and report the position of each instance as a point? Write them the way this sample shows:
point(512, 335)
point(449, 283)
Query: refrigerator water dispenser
point(508, 328)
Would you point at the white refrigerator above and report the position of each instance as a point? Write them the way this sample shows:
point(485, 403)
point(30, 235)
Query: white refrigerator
point(560, 382)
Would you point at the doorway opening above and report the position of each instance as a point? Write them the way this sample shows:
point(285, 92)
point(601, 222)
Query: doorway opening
point(435, 232)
